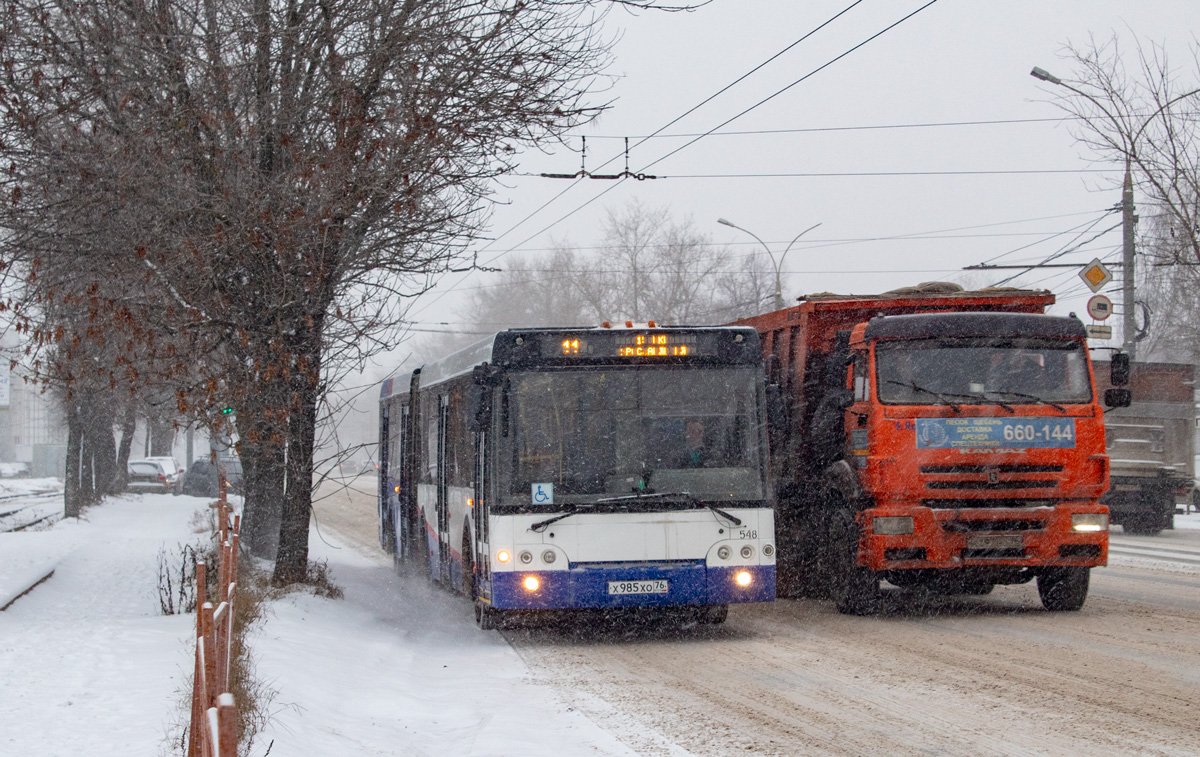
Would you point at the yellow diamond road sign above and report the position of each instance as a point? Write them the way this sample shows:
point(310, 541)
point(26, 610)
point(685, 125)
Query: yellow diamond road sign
point(1095, 274)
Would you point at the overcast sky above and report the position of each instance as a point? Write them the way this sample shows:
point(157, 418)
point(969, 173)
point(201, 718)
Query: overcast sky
point(803, 157)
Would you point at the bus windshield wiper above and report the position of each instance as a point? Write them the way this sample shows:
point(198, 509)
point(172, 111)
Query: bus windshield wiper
point(541, 525)
point(913, 385)
point(687, 497)
point(1033, 397)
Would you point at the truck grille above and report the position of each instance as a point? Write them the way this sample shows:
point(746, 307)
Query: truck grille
point(985, 468)
point(977, 526)
point(989, 477)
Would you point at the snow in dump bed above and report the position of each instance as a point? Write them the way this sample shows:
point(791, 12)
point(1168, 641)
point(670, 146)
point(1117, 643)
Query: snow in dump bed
point(91, 667)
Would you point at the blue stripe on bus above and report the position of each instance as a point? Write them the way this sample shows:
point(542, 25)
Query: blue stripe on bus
point(588, 587)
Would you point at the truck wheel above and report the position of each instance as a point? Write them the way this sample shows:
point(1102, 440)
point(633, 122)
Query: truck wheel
point(1063, 589)
point(855, 589)
point(1142, 525)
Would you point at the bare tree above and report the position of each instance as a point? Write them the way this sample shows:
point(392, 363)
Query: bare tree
point(284, 176)
point(1147, 120)
point(648, 266)
point(1147, 117)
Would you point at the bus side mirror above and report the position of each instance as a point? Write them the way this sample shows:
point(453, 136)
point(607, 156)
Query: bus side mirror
point(479, 408)
point(479, 398)
point(1119, 370)
point(1118, 397)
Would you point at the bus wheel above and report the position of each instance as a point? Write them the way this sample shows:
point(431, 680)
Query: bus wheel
point(855, 589)
point(1063, 589)
point(486, 617)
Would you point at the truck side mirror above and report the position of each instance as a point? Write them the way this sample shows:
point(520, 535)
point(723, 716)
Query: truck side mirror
point(842, 398)
point(1119, 370)
point(1118, 397)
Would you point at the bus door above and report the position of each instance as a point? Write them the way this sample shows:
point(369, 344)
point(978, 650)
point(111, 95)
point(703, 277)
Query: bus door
point(479, 518)
point(383, 495)
point(401, 470)
point(443, 506)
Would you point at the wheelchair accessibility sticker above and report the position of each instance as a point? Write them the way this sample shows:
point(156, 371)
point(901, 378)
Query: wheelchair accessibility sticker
point(543, 494)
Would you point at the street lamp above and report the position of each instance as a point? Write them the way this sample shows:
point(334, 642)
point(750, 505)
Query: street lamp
point(779, 304)
point(1128, 322)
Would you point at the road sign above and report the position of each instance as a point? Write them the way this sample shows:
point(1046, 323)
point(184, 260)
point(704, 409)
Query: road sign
point(1099, 307)
point(1095, 274)
point(1099, 332)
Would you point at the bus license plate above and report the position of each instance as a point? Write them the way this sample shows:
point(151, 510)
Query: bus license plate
point(654, 586)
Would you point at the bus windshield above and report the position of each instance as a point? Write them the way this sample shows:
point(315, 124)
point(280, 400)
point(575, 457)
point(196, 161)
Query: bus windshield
point(603, 433)
point(982, 371)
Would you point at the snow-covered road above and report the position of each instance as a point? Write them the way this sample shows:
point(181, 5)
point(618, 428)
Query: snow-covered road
point(938, 676)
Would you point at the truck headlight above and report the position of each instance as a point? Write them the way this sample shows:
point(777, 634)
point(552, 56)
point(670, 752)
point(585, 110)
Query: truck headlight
point(1089, 522)
point(892, 525)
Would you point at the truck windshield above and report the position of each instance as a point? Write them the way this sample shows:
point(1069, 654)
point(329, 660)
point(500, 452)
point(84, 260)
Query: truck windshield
point(599, 433)
point(977, 371)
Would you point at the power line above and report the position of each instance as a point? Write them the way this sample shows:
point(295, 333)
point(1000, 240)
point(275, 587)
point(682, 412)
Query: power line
point(673, 121)
point(779, 92)
point(824, 174)
point(864, 127)
point(727, 121)
point(1065, 250)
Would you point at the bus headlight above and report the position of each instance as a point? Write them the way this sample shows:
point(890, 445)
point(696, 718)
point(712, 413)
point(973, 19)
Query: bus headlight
point(744, 578)
point(548, 556)
point(503, 556)
point(724, 552)
point(747, 552)
point(893, 525)
point(531, 583)
point(768, 550)
point(525, 557)
point(1089, 522)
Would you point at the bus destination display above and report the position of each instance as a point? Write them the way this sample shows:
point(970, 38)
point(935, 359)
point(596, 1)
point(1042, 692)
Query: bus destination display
point(636, 344)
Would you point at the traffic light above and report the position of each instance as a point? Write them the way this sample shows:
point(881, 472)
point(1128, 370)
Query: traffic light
point(226, 410)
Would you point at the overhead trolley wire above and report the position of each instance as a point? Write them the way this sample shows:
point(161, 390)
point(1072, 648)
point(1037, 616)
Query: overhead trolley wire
point(670, 123)
point(727, 121)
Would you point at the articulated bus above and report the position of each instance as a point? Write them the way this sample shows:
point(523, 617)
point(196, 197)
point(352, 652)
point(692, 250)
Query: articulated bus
point(562, 469)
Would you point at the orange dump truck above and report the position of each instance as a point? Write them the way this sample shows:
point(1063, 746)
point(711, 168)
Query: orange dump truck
point(939, 439)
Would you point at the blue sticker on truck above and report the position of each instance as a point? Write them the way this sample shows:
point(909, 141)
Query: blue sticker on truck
point(985, 433)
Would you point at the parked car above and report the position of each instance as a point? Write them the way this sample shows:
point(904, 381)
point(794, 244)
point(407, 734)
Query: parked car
point(347, 468)
point(149, 476)
point(171, 467)
point(201, 479)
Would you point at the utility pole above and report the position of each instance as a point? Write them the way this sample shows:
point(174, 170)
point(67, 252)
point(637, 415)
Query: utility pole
point(1129, 220)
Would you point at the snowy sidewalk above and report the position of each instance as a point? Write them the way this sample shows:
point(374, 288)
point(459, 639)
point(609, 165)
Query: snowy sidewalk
point(398, 667)
point(90, 666)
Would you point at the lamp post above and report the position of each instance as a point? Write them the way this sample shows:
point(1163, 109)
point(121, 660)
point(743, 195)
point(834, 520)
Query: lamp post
point(779, 304)
point(1128, 321)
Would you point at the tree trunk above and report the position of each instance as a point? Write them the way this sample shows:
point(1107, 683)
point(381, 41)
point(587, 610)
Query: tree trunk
point(128, 427)
point(264, 476)
point(72, 503)
point(291, 564)
point(99, 438)
point(160, 436)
